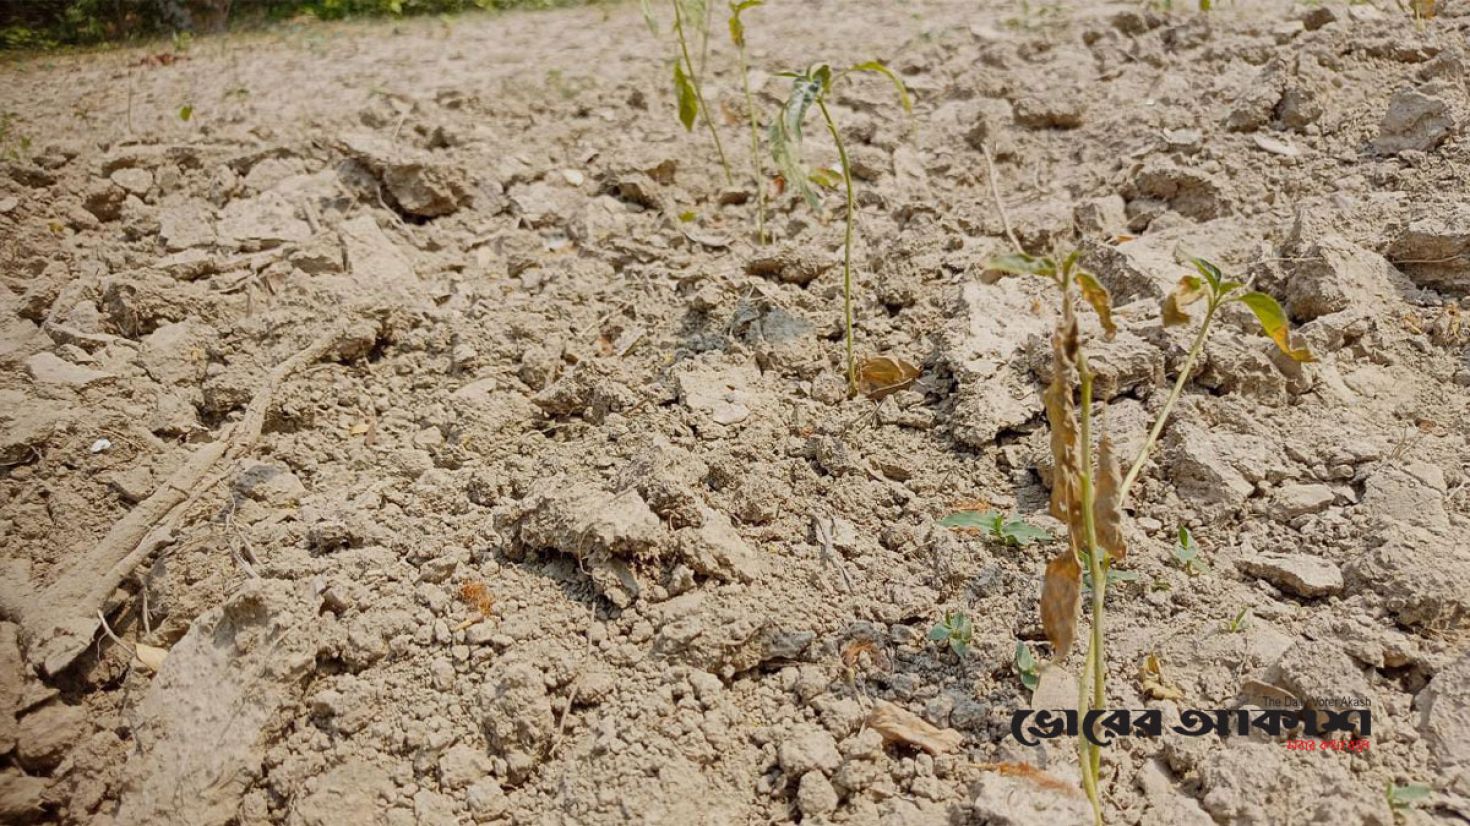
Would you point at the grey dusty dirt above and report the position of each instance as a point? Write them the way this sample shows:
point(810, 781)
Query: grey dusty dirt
point(533, 491)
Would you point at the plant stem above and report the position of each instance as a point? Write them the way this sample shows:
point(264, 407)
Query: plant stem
point(1085, 749)
point(1195, 349)
point(699, 91)
point(1000, 207)
point(1090, 756)
point(852, 384)
point(755, 149)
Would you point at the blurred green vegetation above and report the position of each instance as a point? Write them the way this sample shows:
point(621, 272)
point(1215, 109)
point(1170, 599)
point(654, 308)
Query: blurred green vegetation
point(40, 24)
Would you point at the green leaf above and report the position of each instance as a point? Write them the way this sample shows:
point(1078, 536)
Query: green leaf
point(1019, 263)
point(1400, 797)
point(737, 26)
point(186, 112)
point(962, 626)
point(1211, 273)
point(1273, 322)
point(688, 98)
point(878, 67)
point(825, 178)
point(1030, 680)
point(1187, 553)
point(1019, 533)
point(1025, 660)
point(939, 632)
point(1117, 575)
point(786, 135)
point(959, 647)
point(975, 520)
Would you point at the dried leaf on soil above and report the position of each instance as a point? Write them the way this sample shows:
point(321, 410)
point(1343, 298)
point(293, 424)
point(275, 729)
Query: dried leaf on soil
point(477, 597)
point(1151, 679)
point(150, 656)
point(882, 376)
point(898, 725)
point(1026, 771)
point(1061, 596)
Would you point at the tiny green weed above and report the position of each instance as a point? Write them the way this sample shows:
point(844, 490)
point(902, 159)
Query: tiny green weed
point(1186, 553)
point(1008, 530)
point(956, 630)
point(1026, 666)
point(1403, 797)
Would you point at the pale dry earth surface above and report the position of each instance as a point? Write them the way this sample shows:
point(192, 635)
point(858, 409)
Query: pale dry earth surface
point(540, 362)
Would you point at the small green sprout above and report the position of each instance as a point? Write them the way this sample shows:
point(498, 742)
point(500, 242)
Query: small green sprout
point(186, 112)
point(1113, 575)
point(688, 90)
point(957, 630)
point(1237, 625)
point(1026, 667)
point(1403, 797)
point(1186, 553)
point(808, 88)
point(1013, 531)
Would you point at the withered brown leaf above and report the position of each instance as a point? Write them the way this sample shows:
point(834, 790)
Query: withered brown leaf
point(1151, 679)
point(1026, 771)
point(1061, 596)
point(882, 376)
point(1107, 506)
point(898, 725)
point(1101, 300)
point(1061, 414)
point(1190, 289)
point(477, 597)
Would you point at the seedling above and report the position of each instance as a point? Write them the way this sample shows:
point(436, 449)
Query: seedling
point(737, 36)
point(1088, 491)
point(957, 630)
point(1012, 531)
point(1403, 797)
point(1026, 666)
point(1237, 624)
point(1186, 553)
point(688, 90)
point(814, 86)
point(1114, 577)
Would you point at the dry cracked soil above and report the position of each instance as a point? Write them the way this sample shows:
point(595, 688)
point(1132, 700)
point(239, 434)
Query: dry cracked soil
point(440, 448)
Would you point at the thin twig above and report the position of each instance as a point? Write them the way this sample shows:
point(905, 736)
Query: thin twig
point(1005, 220)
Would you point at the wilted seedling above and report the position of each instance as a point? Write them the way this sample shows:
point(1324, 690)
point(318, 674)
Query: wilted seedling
point(1403, 797)
point(813, 86)
point(688, 90)
point(1013, 530)
point(1186, 553)
point(1026, 667)
point(1236, 624)
point(1088, 489)
point(737, 36)
point(957, 630)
